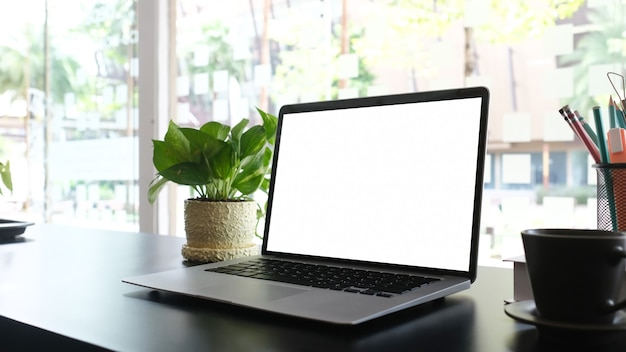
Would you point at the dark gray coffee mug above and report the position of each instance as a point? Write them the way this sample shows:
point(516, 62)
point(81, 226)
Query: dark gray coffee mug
point(575, 274)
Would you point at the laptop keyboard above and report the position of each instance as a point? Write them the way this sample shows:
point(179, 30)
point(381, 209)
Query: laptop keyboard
point(365, 282)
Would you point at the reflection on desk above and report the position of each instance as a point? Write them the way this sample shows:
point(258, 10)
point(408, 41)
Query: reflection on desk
point(429, 326)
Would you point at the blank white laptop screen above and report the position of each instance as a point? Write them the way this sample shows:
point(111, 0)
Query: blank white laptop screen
point(390, 184)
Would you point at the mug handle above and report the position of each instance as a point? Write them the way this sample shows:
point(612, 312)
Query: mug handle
point(618, 254)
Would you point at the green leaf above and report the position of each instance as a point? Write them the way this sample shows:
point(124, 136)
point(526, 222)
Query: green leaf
point(5, 174)
point(267, 158)
point(252, 141)
point(250, 184)
point(254, 163)
point(265, 185)
point(251, 176)
point(163, 156)
point(176, 142)
point(201, 143)
point(237, 130)
point(223, 163)
point(187, 174)
point(235, 134)
point(270, 122)
point(216, 130)
point(156, 185)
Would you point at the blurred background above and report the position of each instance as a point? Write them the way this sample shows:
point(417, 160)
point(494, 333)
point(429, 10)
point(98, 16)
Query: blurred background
point(85, 85)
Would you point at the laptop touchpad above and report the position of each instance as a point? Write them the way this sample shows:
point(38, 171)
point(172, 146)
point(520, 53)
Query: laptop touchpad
point(249, 291)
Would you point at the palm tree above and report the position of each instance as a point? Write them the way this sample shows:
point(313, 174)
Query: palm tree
point(23, 67)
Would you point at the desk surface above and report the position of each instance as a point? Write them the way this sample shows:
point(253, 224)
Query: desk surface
point(60, 286)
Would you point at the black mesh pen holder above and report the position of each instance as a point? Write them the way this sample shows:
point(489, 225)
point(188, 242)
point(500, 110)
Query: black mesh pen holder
point(611, 196)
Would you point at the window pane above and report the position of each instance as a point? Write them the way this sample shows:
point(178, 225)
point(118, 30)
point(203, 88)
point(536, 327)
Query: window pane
point(70, 130)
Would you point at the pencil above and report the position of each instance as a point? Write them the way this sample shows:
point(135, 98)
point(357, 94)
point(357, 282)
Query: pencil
point(587, 128)
point(612, 122)
point(591, 148)
point(569, 123)
point(604, 150)
point(619, 116)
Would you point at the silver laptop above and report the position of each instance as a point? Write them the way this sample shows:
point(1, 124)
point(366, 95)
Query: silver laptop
point(374, 207)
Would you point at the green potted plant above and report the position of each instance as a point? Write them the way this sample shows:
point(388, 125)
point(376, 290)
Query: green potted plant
point(224, 166)
point(9, 228)
point(5, 175)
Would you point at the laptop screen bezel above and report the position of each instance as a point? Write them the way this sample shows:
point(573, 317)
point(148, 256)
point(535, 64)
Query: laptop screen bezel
point(439, 95)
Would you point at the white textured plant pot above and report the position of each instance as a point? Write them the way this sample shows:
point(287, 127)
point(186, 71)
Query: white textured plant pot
point(219, 231)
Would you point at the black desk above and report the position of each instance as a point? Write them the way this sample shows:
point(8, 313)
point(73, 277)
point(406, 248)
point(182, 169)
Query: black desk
point(60, 287)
